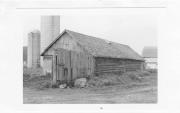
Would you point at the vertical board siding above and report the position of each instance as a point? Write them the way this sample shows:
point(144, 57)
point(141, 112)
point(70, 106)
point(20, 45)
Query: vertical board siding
point(54, 74)
point(68, 51)
point(66, 42)
point(82, 64)
point(78, 64)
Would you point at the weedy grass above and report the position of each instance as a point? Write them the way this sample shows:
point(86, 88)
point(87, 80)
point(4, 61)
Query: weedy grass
point(113, 79)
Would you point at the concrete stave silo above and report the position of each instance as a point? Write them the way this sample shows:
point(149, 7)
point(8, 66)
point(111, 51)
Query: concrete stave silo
point(34, 49)
point(50, 29)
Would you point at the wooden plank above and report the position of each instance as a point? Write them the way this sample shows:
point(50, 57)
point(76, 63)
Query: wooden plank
point(54, 70)
point(57, 68)
point(116, 66)
point(109, 71)
point(67, 59)
point(60, 68)
point(74, 64)
point(78, 65)
point(62, 54)
point(107, 64)
point(81, 64)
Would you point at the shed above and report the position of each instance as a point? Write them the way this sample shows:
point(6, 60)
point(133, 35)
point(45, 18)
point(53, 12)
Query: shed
point(76, 55)
point(150, 55)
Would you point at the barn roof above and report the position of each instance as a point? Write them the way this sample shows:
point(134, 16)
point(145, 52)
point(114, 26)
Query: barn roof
point(149, 52)
point(100, 47)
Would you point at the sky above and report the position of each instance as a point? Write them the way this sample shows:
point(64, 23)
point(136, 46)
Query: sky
point(135, 30)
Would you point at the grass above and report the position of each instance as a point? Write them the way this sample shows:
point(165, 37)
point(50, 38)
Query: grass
point(126, 88)
point(105, 95)
point(113, 79)
point(35, 79)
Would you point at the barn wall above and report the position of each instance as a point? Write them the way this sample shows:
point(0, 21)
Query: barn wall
point(82, 63)
point(66, 42)
point(79, 64)
point(114, 65)
point(47, 64)
point(133, 65)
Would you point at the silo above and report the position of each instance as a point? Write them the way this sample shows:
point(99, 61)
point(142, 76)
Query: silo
point(50, 29)
point(25, 56)
point(34, 49)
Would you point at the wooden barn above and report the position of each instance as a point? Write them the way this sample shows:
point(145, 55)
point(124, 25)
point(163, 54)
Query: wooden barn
point(76, 55)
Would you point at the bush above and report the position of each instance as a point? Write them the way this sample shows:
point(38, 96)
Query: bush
point(33, 71)
point(134, 76)
point(55, 86)
point(38, 82)
point(104, 80)
point(26, 77)
point(143, 73)
point(152, 70)
point(129, 77)
point(137, 75)
point(43, 85)
point(112, 79)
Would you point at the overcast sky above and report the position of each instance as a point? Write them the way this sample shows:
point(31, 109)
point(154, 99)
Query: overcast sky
point(136, 31)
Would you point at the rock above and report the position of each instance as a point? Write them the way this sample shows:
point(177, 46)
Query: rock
point(62, 86)
point(81, 82)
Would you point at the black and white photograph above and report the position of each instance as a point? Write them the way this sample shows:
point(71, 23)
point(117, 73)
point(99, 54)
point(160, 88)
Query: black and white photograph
point(89, 56)
point(94, 59)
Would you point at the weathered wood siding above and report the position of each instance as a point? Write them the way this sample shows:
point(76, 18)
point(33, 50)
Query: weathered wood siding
point(113, 65)
point(72, 57)
point(77, 64)
point(47, 64)
point(66, 42)
point(133, 65)
point(82, 64)
point(63, 66)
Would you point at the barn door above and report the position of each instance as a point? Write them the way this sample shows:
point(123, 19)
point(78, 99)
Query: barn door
point(71, 65)
point(63, 66)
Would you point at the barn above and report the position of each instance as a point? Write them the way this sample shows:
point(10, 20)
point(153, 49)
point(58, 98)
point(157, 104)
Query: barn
point(76, 55)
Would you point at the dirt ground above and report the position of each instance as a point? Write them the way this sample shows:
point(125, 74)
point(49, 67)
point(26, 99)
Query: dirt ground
point(145, 92)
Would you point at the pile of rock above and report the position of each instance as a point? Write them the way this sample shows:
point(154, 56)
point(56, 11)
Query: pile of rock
point(80, 83)
point(62, 86)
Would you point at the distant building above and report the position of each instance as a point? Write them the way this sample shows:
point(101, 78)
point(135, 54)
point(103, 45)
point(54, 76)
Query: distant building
point(24, 56)
point(150, 56)
point(34, 49)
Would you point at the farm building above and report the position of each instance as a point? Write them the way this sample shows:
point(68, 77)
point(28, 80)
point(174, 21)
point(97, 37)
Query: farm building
point(150, 56)
point(24, 56)
point(33, 49)
point(76, 55)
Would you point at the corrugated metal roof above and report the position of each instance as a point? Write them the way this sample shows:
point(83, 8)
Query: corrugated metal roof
point(150, 52)
point(103, 48)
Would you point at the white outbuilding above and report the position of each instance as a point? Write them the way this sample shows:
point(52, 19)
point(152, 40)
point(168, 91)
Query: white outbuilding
point(150, 56)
